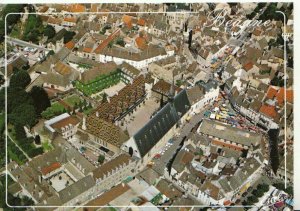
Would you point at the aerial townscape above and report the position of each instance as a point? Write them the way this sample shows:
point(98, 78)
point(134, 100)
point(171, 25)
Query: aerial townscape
point(146, 107)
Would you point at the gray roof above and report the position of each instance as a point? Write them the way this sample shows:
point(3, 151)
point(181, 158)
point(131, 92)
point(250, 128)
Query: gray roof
point(195, 94)
point(210, 84)
point(59, 35)
point(161, 123)
point(228, 133)
point(76, 189)
point(62, 53)
point(225, 185)
point(80, 60)
point(242, 174)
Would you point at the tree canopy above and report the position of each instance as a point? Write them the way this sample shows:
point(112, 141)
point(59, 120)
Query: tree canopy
point(40, 99)
point(49, 31)
point(68, 36)
point(20, 79)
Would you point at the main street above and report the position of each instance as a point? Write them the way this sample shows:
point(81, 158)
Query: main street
point(160, 163)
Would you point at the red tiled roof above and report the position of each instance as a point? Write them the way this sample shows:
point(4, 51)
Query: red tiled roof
point(70, 45)
point(76, 8)
point(87, 50)
point(280, 96)
point(126, 19)
point(141, 22)
point(227, 203)
point(248, 66)
point(64, 122)
point(94, 8)
point(268, 110)
point(107, 40)
point(187, 157)
point(271, 92)
point(290, 96)
point(141, 42)
point(73, 20)
point(231, 146)
point(50, 168)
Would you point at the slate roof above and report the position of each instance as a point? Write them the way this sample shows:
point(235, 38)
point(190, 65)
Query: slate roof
point(161, 123)
point(76, 188)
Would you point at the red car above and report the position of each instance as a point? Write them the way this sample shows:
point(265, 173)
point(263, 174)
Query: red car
point(157, 156)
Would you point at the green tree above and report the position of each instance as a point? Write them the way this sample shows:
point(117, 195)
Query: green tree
point(252, 199)
point(24, 114)
point(20, 79)
point(101, 159)
point(33, 28)
point(289, 190)
point(49, 31)
point(120, 42)
point(20, 132)
point(104, 97)
point(68, 36)
point(16, 97)
point(40, 99)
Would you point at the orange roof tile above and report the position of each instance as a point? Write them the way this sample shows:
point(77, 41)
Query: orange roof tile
point(72, 20)
point(94, 8)
point(141, 42)
point(227, 203)
point(87, 50)
point(290, 96)
point(70, 45)
point(280, 96)
point(107, 40)
point(141, 22)
point(271, 92)
point(268, 110)
point(126, 19)
point(248, 66)
point(231, 146)
point(77, 8)
point(50, 168)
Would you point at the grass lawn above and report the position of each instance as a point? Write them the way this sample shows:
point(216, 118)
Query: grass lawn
point(47, 146)
point(55, 109)
point(72, 100)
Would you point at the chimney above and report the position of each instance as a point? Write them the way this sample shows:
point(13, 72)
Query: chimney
point(97, 114)
point(84, 123)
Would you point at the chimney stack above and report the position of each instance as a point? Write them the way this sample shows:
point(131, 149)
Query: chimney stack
point(84, 123)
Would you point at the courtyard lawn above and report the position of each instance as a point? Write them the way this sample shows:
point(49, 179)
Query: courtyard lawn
point(54, 110)
point(47, 146)
point(72, 100)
